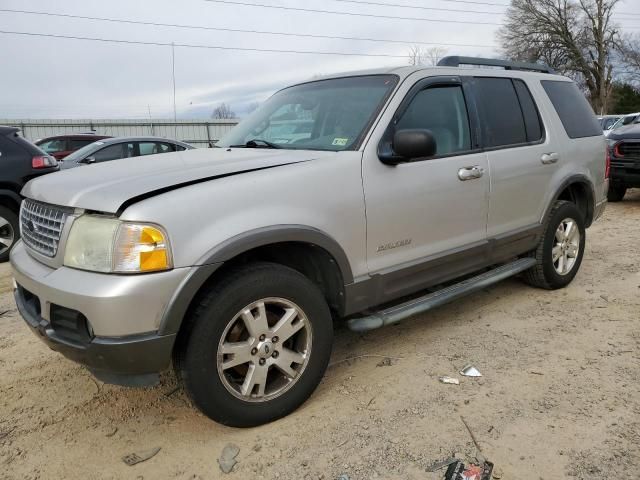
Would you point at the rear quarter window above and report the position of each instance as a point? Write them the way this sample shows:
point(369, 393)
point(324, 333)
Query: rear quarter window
point(575, 113)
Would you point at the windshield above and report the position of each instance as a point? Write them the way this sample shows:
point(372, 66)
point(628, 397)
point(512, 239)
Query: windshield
point(323, 115)
point(82, 152)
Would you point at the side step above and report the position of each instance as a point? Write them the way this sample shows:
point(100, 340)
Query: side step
point(422, 304)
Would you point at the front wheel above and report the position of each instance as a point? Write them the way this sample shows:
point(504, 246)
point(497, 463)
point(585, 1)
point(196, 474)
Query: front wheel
point(559, 253)
point(256, 345)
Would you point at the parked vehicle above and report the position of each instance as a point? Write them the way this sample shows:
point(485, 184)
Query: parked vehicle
point(234, 261)
point(20, 161)
point(61, 146)
point(622, 122)
point(608, 121)
point(624, 151)
point(122, 147)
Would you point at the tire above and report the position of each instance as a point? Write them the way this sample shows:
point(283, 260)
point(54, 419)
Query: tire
point(219, 323)
point(9, 232)
point(616, 193)
point(546, 273)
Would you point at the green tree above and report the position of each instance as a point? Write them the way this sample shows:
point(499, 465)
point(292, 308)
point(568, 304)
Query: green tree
point(626, 98)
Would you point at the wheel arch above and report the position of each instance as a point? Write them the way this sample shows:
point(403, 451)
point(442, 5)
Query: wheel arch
point(305, 249)
point(10, 199)
point(579, 190)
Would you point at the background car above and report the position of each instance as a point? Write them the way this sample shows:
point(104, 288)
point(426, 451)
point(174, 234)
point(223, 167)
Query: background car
point(20, 161)
point(625, 120)
point(624, 154)
point(608, 121)
point(61, 146)
point(122, 147)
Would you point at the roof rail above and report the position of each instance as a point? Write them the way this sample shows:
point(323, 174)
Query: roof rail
point(455, 61)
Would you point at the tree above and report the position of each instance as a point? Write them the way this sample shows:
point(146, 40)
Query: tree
point(576, 37)
point(223, 112)
point(625, 99)
point(426, 56)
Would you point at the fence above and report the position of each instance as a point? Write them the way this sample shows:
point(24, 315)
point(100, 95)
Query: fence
point(198, 133)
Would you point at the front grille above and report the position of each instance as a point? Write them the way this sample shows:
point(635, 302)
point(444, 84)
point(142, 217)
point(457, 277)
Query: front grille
point(630, 150)
point(41, 226)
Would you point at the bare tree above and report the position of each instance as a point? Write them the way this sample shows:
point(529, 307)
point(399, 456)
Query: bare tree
point(425, 56)
point(223, 112)
point(630, 59)
point(576, 37)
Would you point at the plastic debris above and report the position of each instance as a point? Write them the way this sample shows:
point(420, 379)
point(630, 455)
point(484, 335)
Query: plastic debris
point(139, 457)
point(444, 463)
point(470, 371)
point(344, 476)
point(227, 459)
point(450, 380)
point(460, 471)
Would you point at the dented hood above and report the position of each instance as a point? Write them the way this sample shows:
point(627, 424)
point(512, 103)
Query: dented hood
point(107, 186)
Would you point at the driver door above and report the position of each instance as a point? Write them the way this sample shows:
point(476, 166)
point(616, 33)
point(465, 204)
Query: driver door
point(427, 217)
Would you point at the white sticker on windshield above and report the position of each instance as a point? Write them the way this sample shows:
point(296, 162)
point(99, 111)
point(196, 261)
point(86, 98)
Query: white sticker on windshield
point(340, 142)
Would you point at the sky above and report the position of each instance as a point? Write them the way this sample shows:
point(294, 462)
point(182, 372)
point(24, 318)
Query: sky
point(44, 77)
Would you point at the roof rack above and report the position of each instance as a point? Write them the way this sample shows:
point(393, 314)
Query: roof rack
point(455, 61)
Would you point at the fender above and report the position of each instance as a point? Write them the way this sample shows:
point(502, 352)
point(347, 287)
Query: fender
point(591, 194)
point(215, 258)
point(11, 194)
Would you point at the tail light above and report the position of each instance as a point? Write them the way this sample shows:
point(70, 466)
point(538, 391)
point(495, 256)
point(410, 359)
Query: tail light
point(607, 167)
point(43, 161)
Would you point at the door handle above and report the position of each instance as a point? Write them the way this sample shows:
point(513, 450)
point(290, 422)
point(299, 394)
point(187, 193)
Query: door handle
point(549, 158)
point(469, 173)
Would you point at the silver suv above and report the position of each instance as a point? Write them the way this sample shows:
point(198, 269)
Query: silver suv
point(336, 197)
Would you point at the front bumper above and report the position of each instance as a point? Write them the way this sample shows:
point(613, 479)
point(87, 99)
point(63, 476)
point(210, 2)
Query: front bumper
point(109, 323)
point(625, 173)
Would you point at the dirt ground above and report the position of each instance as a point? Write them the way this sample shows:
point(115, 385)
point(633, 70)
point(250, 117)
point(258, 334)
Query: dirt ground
point(559, 396)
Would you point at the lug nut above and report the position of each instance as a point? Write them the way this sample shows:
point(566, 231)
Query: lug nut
point(254, 351)
point(275, 354)
point(262, 361)
point(262, 337)
point(274, 340)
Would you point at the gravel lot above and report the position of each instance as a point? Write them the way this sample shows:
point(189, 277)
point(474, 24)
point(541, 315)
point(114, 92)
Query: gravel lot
point(560, 395)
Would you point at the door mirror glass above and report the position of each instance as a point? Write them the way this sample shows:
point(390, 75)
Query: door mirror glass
point(414, 143)
point(89, 160)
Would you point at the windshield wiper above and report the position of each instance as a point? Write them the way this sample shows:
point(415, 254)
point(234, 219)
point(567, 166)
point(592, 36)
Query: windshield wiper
point(257, 143)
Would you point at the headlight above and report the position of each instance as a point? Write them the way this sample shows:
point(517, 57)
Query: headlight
point(102, 244)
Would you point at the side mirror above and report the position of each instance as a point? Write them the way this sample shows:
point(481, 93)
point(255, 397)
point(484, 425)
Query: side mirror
point(89, 160)
point(414, 143)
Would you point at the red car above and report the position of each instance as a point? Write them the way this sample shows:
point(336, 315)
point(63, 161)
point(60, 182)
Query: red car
point(62, 145)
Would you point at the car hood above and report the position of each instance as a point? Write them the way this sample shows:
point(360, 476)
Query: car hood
point(106, 187)
point(631, 131)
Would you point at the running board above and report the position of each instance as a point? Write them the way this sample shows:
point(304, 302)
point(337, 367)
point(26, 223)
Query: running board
point(422, 304)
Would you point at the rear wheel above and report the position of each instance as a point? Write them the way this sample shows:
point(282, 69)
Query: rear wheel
point(256, 345)
point(9, 232)
point(559, 253)
point(616, 193)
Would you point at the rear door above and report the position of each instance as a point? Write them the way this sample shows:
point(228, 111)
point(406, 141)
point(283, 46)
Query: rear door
point(522, 154)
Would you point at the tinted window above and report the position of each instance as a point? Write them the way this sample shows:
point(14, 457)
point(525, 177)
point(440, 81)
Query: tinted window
point(179, 148)
point(76, 144)
point(111, 152)
point(151, 148)
point(573, 109)
point(532, 122)
point(501, 116)
point(54, 146)
point(443, 111)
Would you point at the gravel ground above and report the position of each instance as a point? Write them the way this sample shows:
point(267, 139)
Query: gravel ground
point(560, 395)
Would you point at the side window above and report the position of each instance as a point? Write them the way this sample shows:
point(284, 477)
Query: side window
point(151, 148)
point(443, 111)
point(78, 144)
point(179, 148)
point(573, 109)
point(532, 121)
point(54, 146)
point(500, 114)
point(112, 152)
